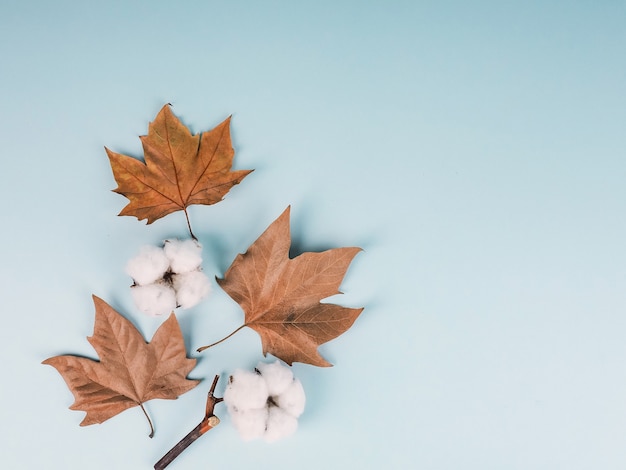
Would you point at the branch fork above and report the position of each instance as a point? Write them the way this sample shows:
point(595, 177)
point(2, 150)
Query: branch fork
point(208, 423)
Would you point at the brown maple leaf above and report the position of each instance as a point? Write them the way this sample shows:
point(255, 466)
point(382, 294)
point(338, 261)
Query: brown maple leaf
point(281, 296)
point(180, 169)
point(130, 371)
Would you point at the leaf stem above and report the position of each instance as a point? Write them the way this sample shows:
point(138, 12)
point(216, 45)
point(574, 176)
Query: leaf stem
point(221, 340)
point(189, 224)
point(151, 435)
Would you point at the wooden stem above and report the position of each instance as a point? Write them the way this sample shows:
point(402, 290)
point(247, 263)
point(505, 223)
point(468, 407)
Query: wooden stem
point(208, 423)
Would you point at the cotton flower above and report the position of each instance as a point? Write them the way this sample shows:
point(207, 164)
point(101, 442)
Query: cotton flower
point(168, 277)
point(265, 403)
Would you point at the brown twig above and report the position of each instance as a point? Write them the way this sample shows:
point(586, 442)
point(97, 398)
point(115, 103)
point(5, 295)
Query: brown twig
point(209, 422)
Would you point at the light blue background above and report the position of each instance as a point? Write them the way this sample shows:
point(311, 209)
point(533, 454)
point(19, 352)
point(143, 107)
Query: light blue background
point(475, 150)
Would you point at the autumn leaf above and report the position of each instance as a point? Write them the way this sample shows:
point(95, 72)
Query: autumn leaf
point(180, 169)
point(130, 371)
point(281, 297)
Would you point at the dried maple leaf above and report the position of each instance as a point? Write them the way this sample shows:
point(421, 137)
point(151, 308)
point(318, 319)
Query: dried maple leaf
point(281, 296)
point(180, 169)
point(130, 371)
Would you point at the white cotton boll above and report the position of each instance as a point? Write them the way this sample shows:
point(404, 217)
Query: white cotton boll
point(190, 288)
point(184, 255)
point(292, 400)
point(265, 404)
point(279, 424)
point(154, 299)
point(249, 423)
point(277, 376)
point(246, 390)
point(148, 266)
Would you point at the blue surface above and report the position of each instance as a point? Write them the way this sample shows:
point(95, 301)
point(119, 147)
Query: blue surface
point(475, 150)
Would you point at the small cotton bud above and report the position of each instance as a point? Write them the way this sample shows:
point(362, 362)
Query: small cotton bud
point(292, 399)
point(249, 423)
point(184, 255)
point(154, 299)
point(279, 424)
point(191, 288)
point(246, 390)
point(277, 376)
point(148, 266)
